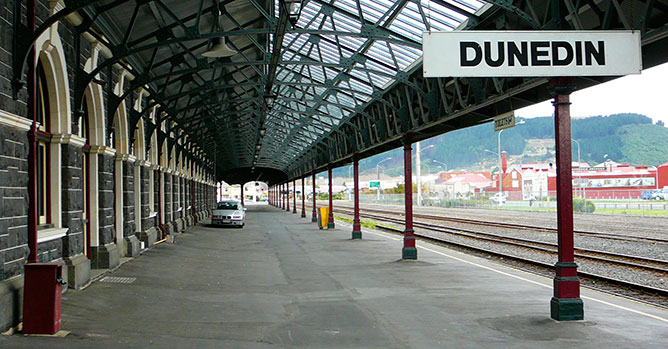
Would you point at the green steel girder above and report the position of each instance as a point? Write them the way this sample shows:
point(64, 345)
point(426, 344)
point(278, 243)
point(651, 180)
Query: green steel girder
point(440, 104)
point(326, 110)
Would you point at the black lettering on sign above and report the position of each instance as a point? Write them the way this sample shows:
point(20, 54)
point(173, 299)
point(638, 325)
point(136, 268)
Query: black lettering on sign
point(521, 54)
point(531, 53)
point(464, 47)
point(556, 61)
point(590, 51)
point(500, 54)
point(536, 54)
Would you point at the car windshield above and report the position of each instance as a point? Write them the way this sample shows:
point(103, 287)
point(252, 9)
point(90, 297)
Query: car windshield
point(227, 206)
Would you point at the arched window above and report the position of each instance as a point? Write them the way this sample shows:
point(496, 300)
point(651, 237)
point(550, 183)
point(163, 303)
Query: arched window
point(43, 140)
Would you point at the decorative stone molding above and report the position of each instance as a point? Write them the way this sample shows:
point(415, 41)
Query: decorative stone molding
point(44, 235)
point(144, 163)
point(126, 157)
point(14, 121)
point(68, 139)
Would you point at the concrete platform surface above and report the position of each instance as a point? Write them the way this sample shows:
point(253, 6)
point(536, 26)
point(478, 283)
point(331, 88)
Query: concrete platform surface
point(281, 282)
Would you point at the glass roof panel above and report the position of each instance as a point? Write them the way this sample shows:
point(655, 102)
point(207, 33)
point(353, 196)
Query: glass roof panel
point(364, 56)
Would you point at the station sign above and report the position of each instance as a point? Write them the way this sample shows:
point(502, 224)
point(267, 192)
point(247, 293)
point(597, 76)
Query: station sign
point(374, 184)
point(504, 121)
point(531, 53)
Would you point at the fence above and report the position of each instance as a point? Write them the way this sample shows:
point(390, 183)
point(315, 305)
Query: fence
point(606, 203)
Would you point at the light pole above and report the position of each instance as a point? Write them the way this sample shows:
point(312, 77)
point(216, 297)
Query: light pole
point(378, 177)
point(418, 170)
point(500, 164)
point(442, 163)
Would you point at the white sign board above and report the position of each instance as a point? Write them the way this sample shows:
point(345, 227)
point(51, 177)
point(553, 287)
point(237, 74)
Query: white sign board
point(531, 53)
point(504, 121)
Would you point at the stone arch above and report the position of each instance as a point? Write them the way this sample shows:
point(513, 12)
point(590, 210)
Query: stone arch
point(52, 58)
point(94, 99)
point(140, 142)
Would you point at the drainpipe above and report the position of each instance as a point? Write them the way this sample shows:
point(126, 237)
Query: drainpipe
point(33, 214)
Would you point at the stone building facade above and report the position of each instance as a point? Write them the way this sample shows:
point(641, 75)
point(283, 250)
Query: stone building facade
point(100, 179)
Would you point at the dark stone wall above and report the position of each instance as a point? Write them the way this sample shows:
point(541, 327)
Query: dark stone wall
point(168, 197)
point(156, 190)
point(128, 198)
point(106, 199)
point(146, 222)
point(72, 199)
point(13, 201)
point(175, 197)
point(186, 197)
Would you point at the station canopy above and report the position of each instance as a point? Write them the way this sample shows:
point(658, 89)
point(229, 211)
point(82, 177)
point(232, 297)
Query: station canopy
point(271, 90)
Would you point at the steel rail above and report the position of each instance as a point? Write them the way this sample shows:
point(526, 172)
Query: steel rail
point(648, 264)
point(590, 276)
point(522, 226)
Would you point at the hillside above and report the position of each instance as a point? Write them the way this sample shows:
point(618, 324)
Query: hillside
point(625, 138)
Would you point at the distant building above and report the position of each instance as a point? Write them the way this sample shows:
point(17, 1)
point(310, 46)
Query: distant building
point(612, 180)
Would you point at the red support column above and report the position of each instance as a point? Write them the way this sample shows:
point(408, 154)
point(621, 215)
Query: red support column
point(314, 216)
point(303, 207)
point(330, 222)
point(409, 251)
point(357, 229)
point(294, 197)
point(566, 303)
point(242, 194)
point(33, 213)
point(287, 196)
point(281, 194)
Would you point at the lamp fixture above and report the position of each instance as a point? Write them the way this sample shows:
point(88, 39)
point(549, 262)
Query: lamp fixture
point(269, 100)
point(218, 46)
point(294, 8)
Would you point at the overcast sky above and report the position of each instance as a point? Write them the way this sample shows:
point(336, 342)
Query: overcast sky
point(645, 94)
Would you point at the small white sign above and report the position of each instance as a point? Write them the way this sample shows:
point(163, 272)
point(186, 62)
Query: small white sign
point(504, 121)
point(531, 53)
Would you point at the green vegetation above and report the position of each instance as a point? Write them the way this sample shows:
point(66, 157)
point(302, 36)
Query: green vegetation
point(337, 196)
point(582, 205)
point(626, 138)
point(643, 144)
point(363, 222)
point(634, 212)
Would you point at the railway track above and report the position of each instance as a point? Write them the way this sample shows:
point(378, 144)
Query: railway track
point(656, 267)
point(505, 225)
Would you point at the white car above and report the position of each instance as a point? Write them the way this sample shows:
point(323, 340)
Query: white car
point(230, 213)
point(498, 198)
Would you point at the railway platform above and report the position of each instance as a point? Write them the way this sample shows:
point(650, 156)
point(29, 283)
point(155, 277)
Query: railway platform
point(281, 282)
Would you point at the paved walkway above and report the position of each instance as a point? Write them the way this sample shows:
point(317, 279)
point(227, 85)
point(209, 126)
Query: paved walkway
point(280, 282)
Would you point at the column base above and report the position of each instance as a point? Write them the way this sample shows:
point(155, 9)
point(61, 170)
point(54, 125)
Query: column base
point(314, 220)
point(357, 234)
point(78, 271)
point(303, 215)
point(180, 224)
point(330, 225)
point(149, 237)
point(294, 211)
point(105, 257)
point(132, 246)
point(169, 228)
point(566, 309)
point(11, 298)
point(409, 253)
